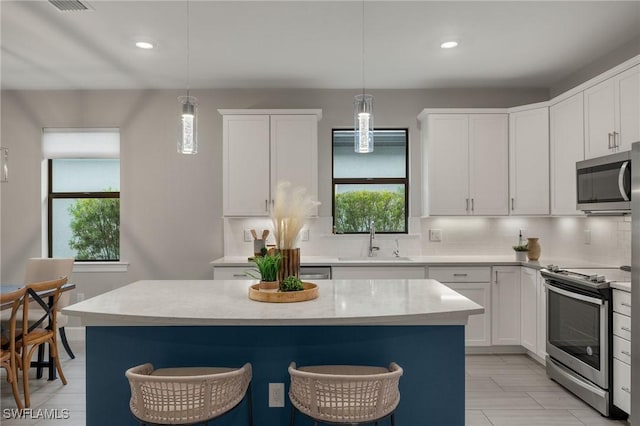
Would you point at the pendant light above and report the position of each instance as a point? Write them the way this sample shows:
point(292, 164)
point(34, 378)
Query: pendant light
point(188, 131)
point(363, 112)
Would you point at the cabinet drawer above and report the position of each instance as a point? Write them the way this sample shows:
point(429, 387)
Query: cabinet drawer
point(377, 272)
point(622, 302)
point(447, 274)
point(232, 273)
point(622, 349)
point(622, 385)
point(622, 326)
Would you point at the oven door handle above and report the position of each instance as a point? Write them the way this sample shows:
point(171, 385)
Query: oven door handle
point(571, 295)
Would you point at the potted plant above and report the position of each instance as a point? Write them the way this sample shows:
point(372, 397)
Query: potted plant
point(268, 265)
point(521, 252)
point(291, 283)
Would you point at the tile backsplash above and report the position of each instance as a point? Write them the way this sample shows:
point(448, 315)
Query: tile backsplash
point(605, 240)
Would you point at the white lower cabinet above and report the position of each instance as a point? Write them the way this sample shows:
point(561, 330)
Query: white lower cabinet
point(622, 350)
point(233, 273)
point(505, 305)
point(529, 309)
point(377, 272)
point(541, 346)
point(474, 284)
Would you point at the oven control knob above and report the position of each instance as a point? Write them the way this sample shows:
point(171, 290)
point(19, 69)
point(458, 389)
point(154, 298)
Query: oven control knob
point(600, 279)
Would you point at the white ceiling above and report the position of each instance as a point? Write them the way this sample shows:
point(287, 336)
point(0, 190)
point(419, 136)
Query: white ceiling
point(308, 44)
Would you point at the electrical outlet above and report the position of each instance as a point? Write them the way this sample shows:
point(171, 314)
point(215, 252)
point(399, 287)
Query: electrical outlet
point(276, 394)
point(79, 297)
point(304, 236)
point(247, 236)
point(435, 235)
point(587, 236)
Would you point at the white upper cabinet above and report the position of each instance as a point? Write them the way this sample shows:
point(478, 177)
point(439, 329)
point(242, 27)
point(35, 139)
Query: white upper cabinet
point(465, 162)
point(529, 162)
point(567, 148)
point(263, 147)
point(612, 114)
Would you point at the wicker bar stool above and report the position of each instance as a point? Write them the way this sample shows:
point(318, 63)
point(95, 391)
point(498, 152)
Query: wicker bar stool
point(188, 395)
point(345, 394)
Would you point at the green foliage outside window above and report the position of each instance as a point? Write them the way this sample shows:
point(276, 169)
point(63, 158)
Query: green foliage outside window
point(354, 211)
point(95, 225)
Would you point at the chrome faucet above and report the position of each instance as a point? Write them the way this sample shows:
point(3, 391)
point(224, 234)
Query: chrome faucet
point(372, 236)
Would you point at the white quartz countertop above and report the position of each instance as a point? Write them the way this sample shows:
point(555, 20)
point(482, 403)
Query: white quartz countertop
point(418, 261)
point(622, 285)
point(226, 302)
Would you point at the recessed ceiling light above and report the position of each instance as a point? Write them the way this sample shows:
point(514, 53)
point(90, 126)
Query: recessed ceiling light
point(449, 44)
point(144, 45)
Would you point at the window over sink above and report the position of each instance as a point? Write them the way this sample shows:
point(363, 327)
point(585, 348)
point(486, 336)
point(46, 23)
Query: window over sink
point(371, 186)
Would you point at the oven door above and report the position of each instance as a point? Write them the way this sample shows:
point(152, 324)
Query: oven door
point(577, 325)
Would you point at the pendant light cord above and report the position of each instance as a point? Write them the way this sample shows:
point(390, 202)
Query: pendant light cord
point(363, 81)
point(188, 49)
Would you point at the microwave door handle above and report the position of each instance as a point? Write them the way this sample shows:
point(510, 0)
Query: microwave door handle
point(623, 171)
point(572, 295)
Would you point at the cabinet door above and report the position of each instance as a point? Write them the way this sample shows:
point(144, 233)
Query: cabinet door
point(599, 119)
point(567, 148)
point(505, 306)
point(234, 272)
point(542, 318)
point(294, 152)
point(489, 164)
point(477, 332)
point(628, 115)
point(529, 309)
point(529, 162)
point(245, 165)
point(447, 159)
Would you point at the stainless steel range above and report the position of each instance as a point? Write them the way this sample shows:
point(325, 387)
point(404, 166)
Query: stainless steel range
point(579, 332)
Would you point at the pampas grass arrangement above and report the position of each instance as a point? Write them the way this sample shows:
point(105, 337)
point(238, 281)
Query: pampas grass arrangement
point(290, 209)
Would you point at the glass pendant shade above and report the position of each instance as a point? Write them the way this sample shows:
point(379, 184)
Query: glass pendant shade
point(363, 123)
point(188, 132)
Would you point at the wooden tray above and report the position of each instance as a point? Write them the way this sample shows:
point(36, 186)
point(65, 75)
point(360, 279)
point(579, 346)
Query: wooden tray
point(274, 296)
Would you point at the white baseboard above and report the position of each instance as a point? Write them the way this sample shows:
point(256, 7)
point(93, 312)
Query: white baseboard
point(494, 350)
point(75, 334)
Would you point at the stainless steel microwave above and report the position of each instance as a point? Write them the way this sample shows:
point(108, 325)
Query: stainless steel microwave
point(604, 184)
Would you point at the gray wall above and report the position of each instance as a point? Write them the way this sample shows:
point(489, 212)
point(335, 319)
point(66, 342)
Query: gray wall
point(171, 205)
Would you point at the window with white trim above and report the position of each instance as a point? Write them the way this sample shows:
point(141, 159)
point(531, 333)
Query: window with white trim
point(83, 193)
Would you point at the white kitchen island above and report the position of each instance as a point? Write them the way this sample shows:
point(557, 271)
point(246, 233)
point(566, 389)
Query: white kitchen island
point(417, 323)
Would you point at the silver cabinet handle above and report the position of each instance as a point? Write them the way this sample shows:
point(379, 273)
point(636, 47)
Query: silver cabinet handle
point(627, 353)
point(609, 135)
point(472, 204)
point(513, 203)
point(628, 305)
point(240, 275)
point(460, 275)
point(496, 277)
point(625, 328)
point(467, 200)
point(616, 137)
point(626, 389)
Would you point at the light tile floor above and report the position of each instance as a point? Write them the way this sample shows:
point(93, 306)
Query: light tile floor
point(501, 390)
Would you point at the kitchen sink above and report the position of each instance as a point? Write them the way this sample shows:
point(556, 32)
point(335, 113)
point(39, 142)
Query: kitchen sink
point(374, 259)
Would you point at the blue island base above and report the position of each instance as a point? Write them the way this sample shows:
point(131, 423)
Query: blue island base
point(431, 389)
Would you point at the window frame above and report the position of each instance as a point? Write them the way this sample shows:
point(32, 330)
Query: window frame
point(70, 195)
point(364, 181)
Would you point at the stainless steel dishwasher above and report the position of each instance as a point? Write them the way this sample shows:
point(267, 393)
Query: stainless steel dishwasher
point(315, 272)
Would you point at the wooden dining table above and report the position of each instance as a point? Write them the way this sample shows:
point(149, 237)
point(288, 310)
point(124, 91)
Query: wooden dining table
point(8, 288)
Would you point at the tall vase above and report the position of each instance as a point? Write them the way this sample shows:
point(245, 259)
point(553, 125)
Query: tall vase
point(534, 249)
point(290, 263)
